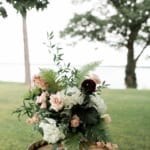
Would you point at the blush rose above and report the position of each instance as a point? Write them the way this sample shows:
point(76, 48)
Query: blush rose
point(56, 102)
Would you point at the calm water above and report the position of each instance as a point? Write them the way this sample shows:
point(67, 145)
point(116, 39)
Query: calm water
point(112, 75)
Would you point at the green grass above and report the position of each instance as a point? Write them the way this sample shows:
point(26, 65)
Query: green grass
point(14, 134)
point(129, 110)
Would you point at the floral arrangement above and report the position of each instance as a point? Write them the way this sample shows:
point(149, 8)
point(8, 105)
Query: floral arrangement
point(66, 107)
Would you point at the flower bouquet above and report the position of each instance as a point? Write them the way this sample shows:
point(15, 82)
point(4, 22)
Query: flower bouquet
point(66, 107)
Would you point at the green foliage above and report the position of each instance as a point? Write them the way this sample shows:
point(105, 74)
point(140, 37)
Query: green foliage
point(102, 86)
point(84, 71)
point(130, 16)
point(22, 6)
point(101, 135)
point(31, 94)
point(62, 77)
point(3, 12)
point(69, 75)
point(61, 86)
point(52, 82)
point(83, 21)
point(65, 72)
point(73, 141)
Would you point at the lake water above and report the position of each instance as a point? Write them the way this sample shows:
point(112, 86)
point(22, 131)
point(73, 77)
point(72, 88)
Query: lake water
point(113, 75)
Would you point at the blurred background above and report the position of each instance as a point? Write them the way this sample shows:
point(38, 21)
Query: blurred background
point(54, 19)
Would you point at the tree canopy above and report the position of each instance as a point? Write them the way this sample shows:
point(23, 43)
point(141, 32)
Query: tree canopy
point(129, 23)
point(130, 16)
point(22, 6)
point(3, 12)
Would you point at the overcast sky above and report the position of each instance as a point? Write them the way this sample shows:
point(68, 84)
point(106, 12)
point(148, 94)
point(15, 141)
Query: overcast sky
point(53, 19)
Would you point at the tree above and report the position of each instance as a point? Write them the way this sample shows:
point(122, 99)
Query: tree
point(129, 22)
point(3, 12)
point(22, 7)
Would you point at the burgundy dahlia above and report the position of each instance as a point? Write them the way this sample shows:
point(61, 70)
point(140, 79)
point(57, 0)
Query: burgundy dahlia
point(88, 86)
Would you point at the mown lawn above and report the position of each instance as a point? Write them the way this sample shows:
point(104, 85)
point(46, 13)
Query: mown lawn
point(129, 110)
point(14, 134)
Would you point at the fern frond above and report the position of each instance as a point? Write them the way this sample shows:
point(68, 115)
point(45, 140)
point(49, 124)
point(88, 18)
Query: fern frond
point(73, 142)
point(50, 76)
point(99, 132)
point(84, 71)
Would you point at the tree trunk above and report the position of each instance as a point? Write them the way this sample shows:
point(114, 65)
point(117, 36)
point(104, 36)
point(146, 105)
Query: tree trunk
point(26, 52)
point(130, 75)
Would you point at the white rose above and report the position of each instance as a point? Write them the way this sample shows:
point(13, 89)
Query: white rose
point(72, 96)
point(52, 133)
point(98, 103)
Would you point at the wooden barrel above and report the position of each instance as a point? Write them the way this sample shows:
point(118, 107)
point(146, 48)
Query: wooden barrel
point(42, 145)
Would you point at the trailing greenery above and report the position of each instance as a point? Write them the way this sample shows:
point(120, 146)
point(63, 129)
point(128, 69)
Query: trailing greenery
point(102, 135)
point(73, 141)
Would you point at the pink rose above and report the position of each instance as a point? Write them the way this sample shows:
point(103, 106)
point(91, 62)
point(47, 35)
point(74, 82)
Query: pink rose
point(56, 102)
point(75, 122)
point(107, 118)
point(34, 119)
point(39, 82)
point(100, 144)
point(95, 78)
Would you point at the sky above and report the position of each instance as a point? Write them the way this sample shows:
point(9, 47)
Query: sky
point(53, 19)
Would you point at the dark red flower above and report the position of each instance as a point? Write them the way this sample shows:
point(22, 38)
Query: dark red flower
point(88, 86)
